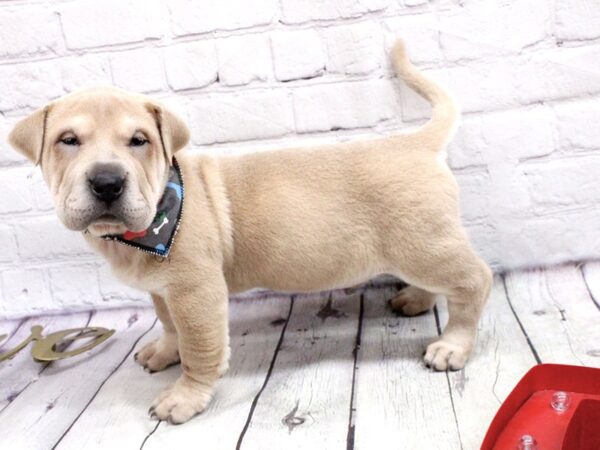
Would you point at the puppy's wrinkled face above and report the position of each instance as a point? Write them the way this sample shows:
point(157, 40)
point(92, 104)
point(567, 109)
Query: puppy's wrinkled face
point(105, 156)
point(104, 163)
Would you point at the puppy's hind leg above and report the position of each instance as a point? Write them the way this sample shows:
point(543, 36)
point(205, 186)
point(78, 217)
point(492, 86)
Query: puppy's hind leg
point(466, 300)
point(460, 275)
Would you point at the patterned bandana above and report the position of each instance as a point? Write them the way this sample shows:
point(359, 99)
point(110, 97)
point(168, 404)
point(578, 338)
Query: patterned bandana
point(158, 238)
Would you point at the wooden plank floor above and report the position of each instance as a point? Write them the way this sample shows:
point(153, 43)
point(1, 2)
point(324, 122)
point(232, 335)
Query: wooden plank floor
point(327, 371)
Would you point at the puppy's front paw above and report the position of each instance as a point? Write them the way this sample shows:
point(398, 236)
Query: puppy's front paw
point(181, 402)
point(159, 354)
point(443, 355)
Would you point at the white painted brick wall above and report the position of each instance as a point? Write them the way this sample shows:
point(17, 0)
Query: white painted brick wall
point(297, 54)
point(92, 23)
point(183, 73)
point(140, 69)
point(255, 74)
point(244, 59)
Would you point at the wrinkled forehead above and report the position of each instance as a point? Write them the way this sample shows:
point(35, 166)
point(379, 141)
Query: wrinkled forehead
point(100, 112)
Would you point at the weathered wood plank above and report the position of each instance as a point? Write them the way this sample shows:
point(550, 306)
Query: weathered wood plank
point(399, 403)
point(556, 311)
point(117, 417)
point(501, 357)
point(306, 403)
point(591, 275)
point(7, 329)
point(40, 415)
point(256, 326)
point(21, 371)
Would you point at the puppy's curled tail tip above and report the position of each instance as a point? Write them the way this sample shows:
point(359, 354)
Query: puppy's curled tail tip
point(400, 56)
point(444, 112)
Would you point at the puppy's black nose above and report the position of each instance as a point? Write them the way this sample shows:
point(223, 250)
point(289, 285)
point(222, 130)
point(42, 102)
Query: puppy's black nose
point(107, 184)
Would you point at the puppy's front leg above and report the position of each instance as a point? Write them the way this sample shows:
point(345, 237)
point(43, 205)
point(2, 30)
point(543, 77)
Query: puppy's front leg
point(198, 308)
point(164, 351)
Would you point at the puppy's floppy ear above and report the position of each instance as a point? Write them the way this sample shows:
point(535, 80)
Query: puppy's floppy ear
point(29, 134)
point(174, 133)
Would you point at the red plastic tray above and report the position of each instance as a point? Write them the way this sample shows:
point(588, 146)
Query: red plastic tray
point(528, 411)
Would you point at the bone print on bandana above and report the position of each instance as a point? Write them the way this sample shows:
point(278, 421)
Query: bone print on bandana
point(159, 237)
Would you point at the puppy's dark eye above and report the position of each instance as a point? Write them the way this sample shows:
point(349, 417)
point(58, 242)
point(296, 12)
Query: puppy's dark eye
point(137, 141)
point(70, 140)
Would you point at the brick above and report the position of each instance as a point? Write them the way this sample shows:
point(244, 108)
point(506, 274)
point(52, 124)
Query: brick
point(192, 17)
point(552, 74)
point(297, 54)
point(420, 34)
point(191, 65)
point(29, 85)
point(75, 286)
point(549, 239)
point(354, 49)
point(511, 82)
point(30, 31)
point(468, 146)
point(496, 85)
point(300, 11)
point(138, 70)
point(350, 105)
point(576, 124)
point(498, 136)
point(223, 118)
point(493, 28)
point(243, 59)
point(41, 194)
point(8, 155)
point(577, 20)
point(484, 238)
point(14, 190)
point(8, 244)
point(560, 73)
point(112, 289)
point(45, 238)
point(562, 183)
point(79, 72)
point(504, 132)
point(414, 2)
point(25, 287)
point(474, 195)
point(89, 23)
point(481, 87)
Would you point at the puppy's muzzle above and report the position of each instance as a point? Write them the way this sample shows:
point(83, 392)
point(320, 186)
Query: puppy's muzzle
point(107, 183)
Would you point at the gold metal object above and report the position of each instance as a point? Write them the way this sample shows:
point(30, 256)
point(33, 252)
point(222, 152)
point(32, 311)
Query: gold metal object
point(50, 348)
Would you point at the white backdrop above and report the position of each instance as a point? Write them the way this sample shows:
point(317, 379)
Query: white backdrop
point(255, 74)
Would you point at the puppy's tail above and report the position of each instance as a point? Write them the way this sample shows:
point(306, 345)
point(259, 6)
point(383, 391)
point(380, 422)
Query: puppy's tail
point(444, 115)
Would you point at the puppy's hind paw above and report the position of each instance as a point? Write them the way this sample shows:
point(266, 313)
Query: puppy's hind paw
point(412, 301)
point(442, 355)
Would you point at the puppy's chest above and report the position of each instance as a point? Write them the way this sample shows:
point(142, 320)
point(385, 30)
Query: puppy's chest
point(136, 269)
point(144, 278)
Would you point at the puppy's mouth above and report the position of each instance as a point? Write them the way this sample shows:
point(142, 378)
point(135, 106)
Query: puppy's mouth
point(106, 223)
point(107, 219)
point(114, 221)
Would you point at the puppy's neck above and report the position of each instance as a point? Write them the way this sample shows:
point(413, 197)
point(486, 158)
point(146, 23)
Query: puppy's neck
point(115, 253)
